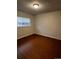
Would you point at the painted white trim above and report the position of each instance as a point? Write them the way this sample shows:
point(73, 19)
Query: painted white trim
point(48, 36)
point(24, 36)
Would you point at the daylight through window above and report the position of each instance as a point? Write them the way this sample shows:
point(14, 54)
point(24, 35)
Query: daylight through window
point(23, 22)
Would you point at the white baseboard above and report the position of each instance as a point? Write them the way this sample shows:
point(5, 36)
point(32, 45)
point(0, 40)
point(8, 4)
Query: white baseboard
point(48, 36)
point(24, 35)
point(37, 34)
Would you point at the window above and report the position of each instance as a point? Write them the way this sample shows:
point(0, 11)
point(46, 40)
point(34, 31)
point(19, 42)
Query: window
point(23, 22)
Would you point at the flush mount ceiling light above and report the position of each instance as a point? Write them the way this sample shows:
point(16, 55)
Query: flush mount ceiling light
point(35, 5)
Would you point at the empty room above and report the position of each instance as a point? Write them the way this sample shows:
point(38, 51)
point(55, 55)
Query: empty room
point(38, 29)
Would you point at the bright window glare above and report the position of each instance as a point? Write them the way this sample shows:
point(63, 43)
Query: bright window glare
point(23, 22)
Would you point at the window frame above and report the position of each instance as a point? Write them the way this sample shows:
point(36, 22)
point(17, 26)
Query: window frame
point(20, 21)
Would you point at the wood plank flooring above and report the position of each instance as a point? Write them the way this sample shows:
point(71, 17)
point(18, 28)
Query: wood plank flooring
point(38, 47)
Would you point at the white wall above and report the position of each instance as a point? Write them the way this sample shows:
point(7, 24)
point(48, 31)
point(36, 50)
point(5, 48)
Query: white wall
point(49, 24)
point(25, 31)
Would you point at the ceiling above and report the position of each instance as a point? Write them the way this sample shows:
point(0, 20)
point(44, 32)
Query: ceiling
point(44, 6)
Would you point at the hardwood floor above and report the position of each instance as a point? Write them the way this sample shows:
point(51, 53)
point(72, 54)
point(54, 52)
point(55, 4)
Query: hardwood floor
point(38, 47)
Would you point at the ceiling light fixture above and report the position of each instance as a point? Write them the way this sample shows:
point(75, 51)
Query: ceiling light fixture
point(35, 5)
